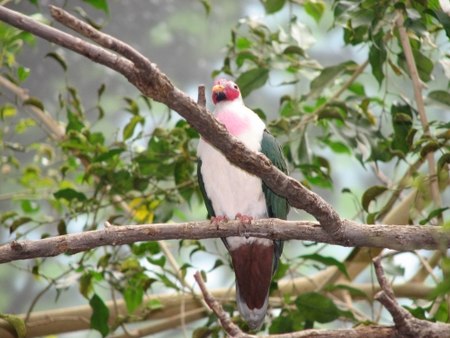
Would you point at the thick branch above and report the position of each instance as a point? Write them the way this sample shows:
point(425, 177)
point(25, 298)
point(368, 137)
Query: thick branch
point(153, 83)
point(397, 237)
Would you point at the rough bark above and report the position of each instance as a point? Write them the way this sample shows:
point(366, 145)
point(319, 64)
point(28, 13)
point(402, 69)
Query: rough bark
point(396, 237)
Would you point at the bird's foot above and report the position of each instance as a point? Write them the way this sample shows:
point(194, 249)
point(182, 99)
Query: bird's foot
point(216, 220)
point(245, 220)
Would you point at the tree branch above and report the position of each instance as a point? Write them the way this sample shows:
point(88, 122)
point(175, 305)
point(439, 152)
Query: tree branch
point(417, 88)
point(75, 318)
point(407, 326)
point(234, 331)
point(396, 237)
point(155, 84)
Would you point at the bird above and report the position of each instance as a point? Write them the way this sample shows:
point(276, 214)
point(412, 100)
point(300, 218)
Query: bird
point(231, 192)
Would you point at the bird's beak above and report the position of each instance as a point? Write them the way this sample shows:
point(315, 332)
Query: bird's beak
point(218, 92)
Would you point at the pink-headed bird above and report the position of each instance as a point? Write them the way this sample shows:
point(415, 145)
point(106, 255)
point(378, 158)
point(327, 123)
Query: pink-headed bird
point(230, 192)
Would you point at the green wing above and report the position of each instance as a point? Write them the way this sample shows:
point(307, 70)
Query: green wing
point(277, 206)
point(201, 184)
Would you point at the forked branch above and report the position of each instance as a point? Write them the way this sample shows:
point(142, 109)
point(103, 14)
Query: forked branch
point(156, 85)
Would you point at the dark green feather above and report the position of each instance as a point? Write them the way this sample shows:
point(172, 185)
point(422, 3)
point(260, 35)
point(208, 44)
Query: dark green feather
point(277, 206)
point(201, 184)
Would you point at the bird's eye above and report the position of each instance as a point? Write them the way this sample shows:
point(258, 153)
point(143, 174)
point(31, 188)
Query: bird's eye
point(235, 87)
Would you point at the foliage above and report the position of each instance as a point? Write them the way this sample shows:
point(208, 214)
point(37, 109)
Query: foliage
point(358, 108)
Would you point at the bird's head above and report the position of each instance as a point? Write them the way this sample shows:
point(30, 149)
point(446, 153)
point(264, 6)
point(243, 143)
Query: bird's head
point(225, 90)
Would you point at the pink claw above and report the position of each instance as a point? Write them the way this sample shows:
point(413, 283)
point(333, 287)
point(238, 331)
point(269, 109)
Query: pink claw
point(244, 218)
point(218, 219)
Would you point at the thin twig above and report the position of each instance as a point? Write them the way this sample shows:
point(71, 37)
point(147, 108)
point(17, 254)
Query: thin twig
point(232, 329)
point(102, 39)
point(417, 87)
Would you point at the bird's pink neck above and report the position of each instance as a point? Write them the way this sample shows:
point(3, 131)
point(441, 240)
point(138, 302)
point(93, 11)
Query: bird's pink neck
point(234, 123)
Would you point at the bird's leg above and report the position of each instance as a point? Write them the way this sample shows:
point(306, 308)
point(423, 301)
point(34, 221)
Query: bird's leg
point(245, 220)
point(218, 219)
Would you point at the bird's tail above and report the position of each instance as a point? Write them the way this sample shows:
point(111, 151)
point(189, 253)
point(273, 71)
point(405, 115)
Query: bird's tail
point(253, 264)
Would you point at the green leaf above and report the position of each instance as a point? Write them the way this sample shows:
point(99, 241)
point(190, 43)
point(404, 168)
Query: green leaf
point(252, 80)
point(17, 323)
point(32, 101)
point(154, 304)
point(315, 9)
point(133, 106)
point(108, 155)
point(70, 194)
point(328, 261)
point(166, 281)
point(183, 172)
point(206, 6)
point(99, 4)
point(442, 314)
point(442, 288)
point(23, 73)
point(429, 147)
point(326, 77)
point(74, 121)
point(423, 63)
point(133, 297)
point(445, 159)
point(317, 308)
point(402, 121)
point(161, 261)
point(29, 207)
point(243, 43)
point(86, 285)
point(371, 194)
point(24, 124)
point(272, 6)
point(62, 227)
point(377, 56)
point(357, 88)
point(217, 263)
point(58, 58)
point(337, 146)
point(293, 49)
point(144, 248)
point(286, 321)
point(100, 315)
point(19, 222)
point(434, 213)
point(7, 111)
point(442, 16)
point(128, 131)
point(441, 96)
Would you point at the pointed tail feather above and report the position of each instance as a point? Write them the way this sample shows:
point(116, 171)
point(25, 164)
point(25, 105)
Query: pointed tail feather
point(254, 317)
point(253, 264)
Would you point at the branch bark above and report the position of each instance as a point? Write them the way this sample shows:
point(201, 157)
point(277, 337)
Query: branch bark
point(153, 83)
point(417, 88)
point(234, 331)
point(406, 325)
point(396, 237)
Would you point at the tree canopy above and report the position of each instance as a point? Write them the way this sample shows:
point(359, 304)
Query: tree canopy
point(355, 91)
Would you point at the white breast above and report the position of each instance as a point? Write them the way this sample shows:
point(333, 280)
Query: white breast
point(231, 189)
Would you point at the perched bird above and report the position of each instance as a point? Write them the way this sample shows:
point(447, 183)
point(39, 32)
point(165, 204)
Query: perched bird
point(230, 192)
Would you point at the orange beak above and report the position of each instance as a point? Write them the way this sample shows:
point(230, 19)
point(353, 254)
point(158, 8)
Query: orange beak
point(218, 93)
point(218, 88)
